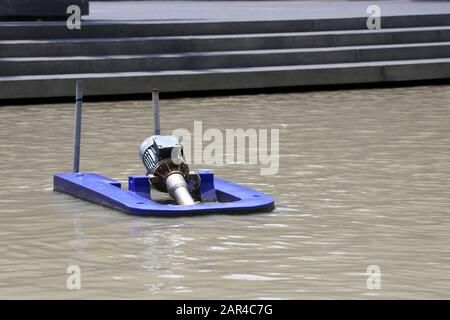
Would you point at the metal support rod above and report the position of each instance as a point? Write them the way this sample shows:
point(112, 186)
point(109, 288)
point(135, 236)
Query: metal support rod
point(77, 138)
point(155, 103)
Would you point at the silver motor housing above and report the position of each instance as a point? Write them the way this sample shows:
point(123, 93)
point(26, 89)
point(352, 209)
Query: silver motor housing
point(163, 158)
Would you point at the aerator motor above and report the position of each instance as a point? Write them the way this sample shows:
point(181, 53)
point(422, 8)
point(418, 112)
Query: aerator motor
point(166, 168)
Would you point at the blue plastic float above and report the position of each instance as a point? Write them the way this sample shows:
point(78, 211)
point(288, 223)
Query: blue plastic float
point(231, 197)
point(213, 195)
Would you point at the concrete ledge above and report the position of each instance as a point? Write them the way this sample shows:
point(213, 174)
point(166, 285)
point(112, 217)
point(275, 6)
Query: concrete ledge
point(153, 45)
point(124, 29)
point(220, 60)
point(224, 79)
point(40, 8)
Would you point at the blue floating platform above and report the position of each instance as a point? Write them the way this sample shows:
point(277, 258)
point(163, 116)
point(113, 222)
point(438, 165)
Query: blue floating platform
point(230, 197)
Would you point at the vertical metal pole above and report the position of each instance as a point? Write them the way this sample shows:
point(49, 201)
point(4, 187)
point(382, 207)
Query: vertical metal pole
point(77, 139)
point(155, 103)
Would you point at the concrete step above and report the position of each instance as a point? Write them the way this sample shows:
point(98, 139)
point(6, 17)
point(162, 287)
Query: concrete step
point(39, 86)
point(221, 59)
point(227, 42)
point(139, 28)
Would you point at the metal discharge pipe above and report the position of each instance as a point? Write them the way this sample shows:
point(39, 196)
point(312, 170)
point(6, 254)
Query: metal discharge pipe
point(178, 189)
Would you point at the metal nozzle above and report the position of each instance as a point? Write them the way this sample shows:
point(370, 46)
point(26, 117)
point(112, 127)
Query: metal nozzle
point(178, 189)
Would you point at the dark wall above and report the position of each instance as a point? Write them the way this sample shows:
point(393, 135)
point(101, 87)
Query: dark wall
point(266, 0)
point(40, 8)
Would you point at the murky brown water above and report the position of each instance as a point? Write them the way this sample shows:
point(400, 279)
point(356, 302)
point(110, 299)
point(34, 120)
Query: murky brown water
point(364, 179)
